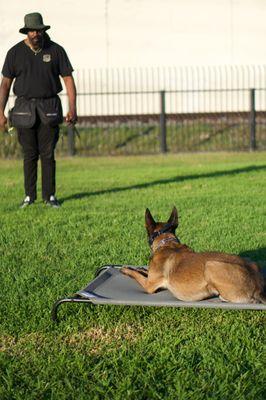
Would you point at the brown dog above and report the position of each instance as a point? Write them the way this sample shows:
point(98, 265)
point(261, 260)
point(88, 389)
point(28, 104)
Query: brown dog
point(192, 276)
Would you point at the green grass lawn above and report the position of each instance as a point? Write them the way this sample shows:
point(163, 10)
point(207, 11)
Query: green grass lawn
point(109, 352)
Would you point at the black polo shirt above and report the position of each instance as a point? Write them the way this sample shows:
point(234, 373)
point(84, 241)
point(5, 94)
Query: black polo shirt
point(36, 75)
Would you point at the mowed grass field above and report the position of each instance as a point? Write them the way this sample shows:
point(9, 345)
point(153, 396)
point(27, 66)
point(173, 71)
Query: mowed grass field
point(116, 352)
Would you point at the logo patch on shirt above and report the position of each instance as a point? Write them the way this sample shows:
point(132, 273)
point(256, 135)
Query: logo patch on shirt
point(46, 57)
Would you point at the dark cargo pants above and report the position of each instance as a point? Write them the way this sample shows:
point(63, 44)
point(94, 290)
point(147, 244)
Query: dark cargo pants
point(40, 140)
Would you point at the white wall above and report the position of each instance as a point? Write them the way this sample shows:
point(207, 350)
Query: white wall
point(106, 33)
point(150, 33)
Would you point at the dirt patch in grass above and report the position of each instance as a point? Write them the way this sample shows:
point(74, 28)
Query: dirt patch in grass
point(96, 338)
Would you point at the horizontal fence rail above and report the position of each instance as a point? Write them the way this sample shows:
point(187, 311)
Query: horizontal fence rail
point(147, 111)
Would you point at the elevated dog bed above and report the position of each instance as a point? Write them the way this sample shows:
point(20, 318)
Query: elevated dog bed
point(110, 286)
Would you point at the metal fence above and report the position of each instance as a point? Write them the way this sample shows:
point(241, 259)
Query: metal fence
point(152, 110)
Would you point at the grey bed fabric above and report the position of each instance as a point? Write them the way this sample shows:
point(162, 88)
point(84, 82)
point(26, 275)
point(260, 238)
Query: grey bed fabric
point(112, 287)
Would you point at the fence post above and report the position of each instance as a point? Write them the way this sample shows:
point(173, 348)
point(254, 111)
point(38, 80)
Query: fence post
point(252, 120)
point(163, 122)
point(71, 140)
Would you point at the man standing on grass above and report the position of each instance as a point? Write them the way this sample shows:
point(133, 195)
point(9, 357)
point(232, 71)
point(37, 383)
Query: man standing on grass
point(36, 64)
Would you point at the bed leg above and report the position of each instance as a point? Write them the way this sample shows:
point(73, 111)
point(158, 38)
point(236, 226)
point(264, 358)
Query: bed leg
point(55, 308)
point(66, 300)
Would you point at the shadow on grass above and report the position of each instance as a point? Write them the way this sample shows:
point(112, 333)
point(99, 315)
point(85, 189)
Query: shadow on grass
point(257, 255)
point(175, 179)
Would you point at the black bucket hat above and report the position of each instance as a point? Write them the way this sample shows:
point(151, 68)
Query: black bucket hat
point(33, 21)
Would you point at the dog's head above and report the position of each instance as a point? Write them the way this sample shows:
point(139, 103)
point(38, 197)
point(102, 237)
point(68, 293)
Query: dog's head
point(155, 229)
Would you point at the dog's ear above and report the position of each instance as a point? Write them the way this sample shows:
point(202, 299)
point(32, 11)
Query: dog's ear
point(149, 221)
point(173, 220)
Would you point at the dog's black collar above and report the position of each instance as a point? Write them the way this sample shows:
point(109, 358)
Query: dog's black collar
point(165, 229)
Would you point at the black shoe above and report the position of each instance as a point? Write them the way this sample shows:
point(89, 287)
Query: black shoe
point(26, 202)
point(52, 202)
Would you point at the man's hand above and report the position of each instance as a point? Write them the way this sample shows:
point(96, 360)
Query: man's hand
point(4, 93)
point(3, 122)
point(71, 117)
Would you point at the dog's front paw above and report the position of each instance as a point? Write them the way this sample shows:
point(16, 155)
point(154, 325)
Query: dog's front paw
point(143, 271)
point(125, 270)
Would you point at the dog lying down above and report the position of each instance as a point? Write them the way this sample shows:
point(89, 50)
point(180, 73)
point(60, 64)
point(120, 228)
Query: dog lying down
point(192, 276)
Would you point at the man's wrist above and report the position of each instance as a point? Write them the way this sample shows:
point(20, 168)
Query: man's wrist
point(72, 110)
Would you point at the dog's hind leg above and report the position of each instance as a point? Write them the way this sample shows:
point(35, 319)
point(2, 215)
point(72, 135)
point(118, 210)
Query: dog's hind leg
point(233, 282)
point(150, 286)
